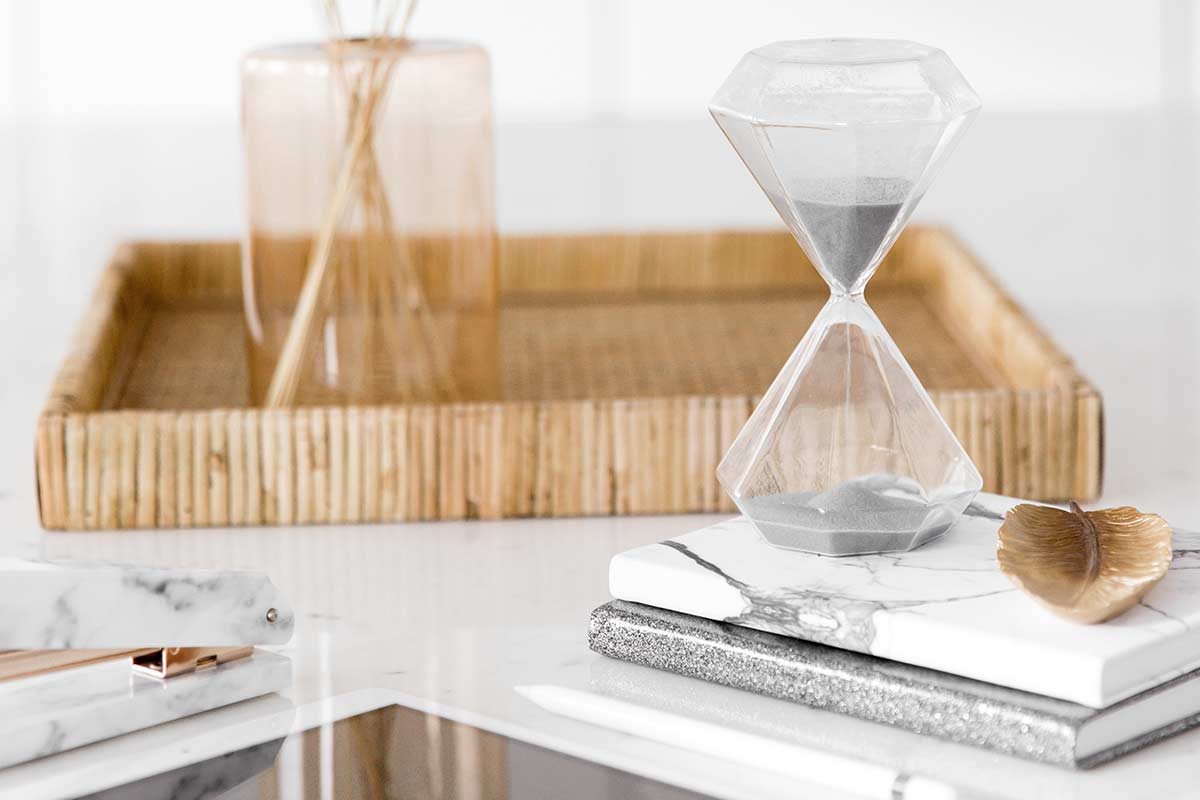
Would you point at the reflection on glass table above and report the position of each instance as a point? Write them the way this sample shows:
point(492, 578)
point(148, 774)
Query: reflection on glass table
point(395, 752)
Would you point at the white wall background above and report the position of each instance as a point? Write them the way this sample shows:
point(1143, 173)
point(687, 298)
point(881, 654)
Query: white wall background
point(119, 118)
point(567, 58)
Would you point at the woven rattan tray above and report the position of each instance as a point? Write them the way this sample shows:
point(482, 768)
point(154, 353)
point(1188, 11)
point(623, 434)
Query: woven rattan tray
point(629, 362)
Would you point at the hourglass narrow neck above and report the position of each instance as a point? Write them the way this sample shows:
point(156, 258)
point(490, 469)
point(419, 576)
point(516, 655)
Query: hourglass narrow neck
point(845, 278)
point(844, 307)
point(858, 293)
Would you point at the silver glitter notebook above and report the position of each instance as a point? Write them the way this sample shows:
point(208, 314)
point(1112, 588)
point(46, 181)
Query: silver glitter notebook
point(913, 698)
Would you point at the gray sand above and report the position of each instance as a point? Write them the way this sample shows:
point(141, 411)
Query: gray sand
point(847, 220)
point(846, 237)
point(871, 514)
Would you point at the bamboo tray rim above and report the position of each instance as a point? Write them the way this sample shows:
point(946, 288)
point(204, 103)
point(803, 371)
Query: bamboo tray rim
point(74, 405)
point(1081, 384)
point(123, 268)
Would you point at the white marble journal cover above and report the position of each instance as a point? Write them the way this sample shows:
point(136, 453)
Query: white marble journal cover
point(47, 714)
point(64, 605)
point(945, 606)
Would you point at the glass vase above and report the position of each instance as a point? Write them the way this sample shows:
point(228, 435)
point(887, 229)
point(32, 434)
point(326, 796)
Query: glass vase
point(369, 269)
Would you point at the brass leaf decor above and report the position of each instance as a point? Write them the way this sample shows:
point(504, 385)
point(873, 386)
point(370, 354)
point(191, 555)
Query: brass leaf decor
point(1085, 566)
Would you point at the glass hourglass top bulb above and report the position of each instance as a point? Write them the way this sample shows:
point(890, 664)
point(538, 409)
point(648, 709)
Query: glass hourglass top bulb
point(844, 136)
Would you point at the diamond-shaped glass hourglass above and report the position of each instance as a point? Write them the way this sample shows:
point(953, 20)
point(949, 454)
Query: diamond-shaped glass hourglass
point(846, 453)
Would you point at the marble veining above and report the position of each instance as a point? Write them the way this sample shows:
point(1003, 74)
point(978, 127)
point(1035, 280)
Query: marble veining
point(48, 605)
point(945, 606)
point(47, 714)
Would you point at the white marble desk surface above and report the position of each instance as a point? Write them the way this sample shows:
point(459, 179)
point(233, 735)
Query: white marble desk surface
point(459, 613)
point(1089, 220)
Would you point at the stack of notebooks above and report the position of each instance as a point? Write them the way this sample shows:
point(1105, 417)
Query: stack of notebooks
point(936, 640)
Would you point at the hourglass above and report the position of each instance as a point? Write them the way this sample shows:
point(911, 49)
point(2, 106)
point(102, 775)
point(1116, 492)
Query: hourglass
point(846, 453)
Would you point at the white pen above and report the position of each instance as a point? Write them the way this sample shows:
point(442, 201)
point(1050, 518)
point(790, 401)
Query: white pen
point(758, 752)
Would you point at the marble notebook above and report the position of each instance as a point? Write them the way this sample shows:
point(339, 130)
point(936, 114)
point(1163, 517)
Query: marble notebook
point(62, 605)
point(921, 700)
point(47, 714)
point(945, 606)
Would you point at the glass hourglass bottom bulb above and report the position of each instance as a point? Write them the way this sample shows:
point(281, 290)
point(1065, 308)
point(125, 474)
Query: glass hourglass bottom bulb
point(846, 453)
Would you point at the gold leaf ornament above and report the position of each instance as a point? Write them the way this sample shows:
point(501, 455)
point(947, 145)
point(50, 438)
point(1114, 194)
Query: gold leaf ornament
point(1085, 566)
